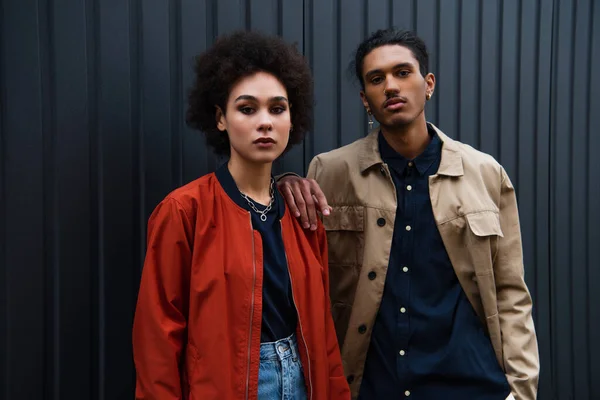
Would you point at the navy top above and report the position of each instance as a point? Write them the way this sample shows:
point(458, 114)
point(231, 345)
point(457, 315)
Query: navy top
point(279, 318)
point(427, 341)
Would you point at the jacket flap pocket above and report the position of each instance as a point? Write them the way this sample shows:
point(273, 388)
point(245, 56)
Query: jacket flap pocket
point(485, 223)
point(345, 218)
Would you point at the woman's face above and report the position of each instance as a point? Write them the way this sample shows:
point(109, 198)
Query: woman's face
point(257, 119)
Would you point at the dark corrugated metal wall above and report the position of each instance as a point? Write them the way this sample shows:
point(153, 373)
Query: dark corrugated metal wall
point(92, 136)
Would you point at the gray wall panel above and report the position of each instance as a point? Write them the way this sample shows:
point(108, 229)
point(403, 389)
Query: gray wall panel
point(579, 198)
point(490, 71)
point(93, 97)
point(592, 312)
point(71, 194)
point(29, 199)
point(561, 197)
point(114, 47)
point(541, 237)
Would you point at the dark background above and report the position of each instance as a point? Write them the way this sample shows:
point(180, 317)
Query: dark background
point(92, 137)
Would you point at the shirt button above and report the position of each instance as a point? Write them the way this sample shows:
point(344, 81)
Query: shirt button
point(381, 221)
point(402, 352)
point(410, 163)
point(407, 393)
point(404, 269)
point(350, 379)
point(362, 329)
point(408, 228)
point(408, 187)
point(402, 310)
point(372, 275)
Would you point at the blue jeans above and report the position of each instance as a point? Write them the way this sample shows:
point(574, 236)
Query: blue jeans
point(280, 376)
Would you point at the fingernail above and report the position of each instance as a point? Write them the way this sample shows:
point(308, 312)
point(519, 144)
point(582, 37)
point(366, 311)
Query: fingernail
point(306, 225)
point(326, 212)
point(313, 227)
point(297, 213)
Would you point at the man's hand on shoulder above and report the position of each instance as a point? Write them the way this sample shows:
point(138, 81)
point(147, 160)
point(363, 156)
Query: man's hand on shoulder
point(305, 198)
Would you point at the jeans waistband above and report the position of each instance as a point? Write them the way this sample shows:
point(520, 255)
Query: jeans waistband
point(280, 349)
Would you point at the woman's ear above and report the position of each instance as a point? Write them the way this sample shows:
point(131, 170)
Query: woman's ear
point(220, 119)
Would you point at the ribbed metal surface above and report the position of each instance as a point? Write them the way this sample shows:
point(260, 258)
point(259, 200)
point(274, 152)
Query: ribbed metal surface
point(92, 136)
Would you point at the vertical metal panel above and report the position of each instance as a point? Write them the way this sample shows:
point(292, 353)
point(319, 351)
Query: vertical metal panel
point(427, 24)
point(71, 170)
point(159, 141)
point(404, 14)
point(509, 80)
point(196, 35)
point(323, 28)
point(353, 123)
point(467, 95)
point(93, 98)
point(592, 311)
point(29, 199)
point(562, 233)
point(579, 133)
point(291, 28)
point(115, 129)
point(572, 199)
point(3, 209)
point(540, 241)
point(490, 70)
point(448, 86)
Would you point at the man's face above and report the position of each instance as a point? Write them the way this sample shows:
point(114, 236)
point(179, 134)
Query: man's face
point(394, 89)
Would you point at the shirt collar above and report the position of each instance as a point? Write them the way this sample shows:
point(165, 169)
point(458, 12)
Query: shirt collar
point(226, 180)
point(422, 162)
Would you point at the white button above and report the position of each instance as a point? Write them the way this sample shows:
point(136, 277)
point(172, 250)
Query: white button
point(405, 269)
point(408, 228)
point(408, 187)
point(403, 310)
point(402, 352)
point(407, 393)
point(410, 164)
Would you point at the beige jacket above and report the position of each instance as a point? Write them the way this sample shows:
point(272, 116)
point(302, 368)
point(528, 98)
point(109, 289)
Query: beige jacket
point(475, 209)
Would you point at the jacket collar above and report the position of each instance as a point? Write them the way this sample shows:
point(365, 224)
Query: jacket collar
point(450, 165)
point(228, 183)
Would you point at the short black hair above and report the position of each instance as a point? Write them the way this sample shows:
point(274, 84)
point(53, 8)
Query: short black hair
point(384, 37)
point(239, 55)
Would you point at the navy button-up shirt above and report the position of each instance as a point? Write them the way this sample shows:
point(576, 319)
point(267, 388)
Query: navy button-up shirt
point(279, 318)
point(427, 341)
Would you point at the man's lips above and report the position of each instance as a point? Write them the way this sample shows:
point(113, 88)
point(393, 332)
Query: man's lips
point(394, 103)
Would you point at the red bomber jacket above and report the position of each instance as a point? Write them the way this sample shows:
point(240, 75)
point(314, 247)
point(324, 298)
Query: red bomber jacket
point(196, 332)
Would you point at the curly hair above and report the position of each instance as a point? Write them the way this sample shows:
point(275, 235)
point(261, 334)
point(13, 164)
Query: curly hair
point(237, 56)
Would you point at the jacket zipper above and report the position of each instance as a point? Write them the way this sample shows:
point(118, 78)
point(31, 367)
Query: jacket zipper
point(299, 321)
point(251, 309)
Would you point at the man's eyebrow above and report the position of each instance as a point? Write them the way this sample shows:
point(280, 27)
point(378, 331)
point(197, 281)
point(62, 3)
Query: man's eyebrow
point(401, 65)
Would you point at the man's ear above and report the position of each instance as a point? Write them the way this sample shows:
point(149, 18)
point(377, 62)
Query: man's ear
point(430, 80)
point(220, 119)
point(363, 97)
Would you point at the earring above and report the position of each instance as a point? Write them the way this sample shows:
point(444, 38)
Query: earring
point(370, 118)
point(428, 96)
point(291, 128)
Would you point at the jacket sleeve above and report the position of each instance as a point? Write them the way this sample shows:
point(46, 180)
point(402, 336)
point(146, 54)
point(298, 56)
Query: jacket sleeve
point(338, 386)
point(160, 318)
point(519, 342)
point(313, 168)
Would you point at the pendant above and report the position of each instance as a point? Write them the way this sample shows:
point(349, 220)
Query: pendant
point(263, 217)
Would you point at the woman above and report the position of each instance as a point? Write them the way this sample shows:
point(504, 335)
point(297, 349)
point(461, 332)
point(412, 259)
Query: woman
point(234, 300)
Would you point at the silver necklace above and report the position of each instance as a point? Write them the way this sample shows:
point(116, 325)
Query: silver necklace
point(263, 213)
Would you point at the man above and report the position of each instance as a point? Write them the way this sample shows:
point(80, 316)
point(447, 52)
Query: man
point(427, 286)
